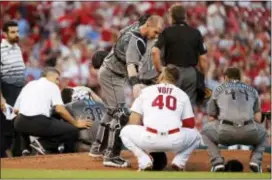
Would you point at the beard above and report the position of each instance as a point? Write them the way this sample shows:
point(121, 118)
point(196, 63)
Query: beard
point(13, 40)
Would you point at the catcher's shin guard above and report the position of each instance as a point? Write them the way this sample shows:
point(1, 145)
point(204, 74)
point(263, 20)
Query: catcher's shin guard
point(102, 132)
point(120, 119)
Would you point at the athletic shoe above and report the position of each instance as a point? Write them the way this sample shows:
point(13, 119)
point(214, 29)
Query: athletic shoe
point(149, 167)
point(115, 162)
point(255, 167)
point(36, 145)
point(218, 168)
point(25, 152)
point(176, 167)
point(95, 153)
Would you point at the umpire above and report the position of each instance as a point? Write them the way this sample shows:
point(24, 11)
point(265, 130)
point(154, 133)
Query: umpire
point(182, 46)
point(235, 113)
point(12, 81)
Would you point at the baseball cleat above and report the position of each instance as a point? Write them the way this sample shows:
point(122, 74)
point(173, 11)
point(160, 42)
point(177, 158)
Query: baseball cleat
point(95, 153)
point(115, 162)
point(176, 167)
point(149, 167)
point(255, 167)
point(218, 168)
point(36, 145)
point(26, 152)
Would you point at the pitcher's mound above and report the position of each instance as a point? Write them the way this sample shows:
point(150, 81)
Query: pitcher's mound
point(199, 161)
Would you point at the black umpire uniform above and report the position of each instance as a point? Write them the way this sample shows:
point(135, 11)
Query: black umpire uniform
point(182, 45)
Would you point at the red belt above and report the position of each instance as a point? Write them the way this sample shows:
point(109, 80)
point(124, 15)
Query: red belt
point(155, 131)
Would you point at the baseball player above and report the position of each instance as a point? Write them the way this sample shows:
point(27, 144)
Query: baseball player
point(235, 113)
point(162, 120)
point(120, 65)
point(86, 104)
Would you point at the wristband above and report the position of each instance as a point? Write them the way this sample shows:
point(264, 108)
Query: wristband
point(133, 80)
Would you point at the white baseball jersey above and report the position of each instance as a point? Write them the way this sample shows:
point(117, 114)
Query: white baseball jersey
point(163, 106)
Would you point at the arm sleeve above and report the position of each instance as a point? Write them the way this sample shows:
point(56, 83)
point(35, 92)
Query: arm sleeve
point(201, 47)
point(134, 51)
point(137, 105)
point(56, 96)
point(257, 106)
point(160, 43)
point(212, 108)
point(187, 111)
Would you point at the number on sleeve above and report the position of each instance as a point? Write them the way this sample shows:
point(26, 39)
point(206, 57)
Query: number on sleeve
point(170, 102)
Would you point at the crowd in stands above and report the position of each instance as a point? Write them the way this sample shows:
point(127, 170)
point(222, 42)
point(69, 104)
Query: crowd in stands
point(65, 34)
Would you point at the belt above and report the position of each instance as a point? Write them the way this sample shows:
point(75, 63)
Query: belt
point(236, 124)
point(155, 131)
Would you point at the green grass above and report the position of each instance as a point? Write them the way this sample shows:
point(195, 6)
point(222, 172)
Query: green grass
point(23, 173)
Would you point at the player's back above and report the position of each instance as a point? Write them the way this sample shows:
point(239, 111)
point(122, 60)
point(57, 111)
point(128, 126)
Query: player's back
point(163, 105)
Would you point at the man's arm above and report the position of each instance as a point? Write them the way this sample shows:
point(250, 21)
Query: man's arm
point(257, 110)
point(63, 112)
point(187, 116)
point(134, 51)
point(3, 103)
point(156, 52)
point(212, 109)
point(136, 111)
point(202, 50)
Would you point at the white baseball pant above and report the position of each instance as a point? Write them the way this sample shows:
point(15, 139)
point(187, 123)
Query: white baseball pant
point(142, 140)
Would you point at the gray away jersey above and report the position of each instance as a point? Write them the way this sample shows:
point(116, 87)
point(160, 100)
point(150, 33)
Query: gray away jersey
point(234, 101)
point(128, 49)
point(87, 109)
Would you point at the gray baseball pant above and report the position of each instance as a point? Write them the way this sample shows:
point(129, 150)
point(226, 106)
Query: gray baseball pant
point(215, 133)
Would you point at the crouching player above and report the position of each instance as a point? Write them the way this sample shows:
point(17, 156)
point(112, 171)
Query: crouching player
point(162, 120)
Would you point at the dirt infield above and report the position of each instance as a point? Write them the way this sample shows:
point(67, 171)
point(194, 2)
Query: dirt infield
point(198, 161)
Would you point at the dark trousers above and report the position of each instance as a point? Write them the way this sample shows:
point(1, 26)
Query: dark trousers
point(9, 138)
point(51, 132)
point(188, 82)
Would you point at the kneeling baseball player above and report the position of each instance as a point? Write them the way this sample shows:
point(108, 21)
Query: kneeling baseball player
point(162, 120)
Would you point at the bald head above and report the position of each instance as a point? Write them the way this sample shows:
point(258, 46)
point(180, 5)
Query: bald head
point(155, 20)
point(152, 27)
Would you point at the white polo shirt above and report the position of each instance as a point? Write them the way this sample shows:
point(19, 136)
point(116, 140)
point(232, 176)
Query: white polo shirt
point(163, 106)
point(38, 98)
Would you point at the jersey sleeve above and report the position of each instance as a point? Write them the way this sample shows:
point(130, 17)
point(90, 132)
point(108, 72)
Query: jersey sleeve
point(56, 96)
point(187, 110)
point(137, 105)
point(135, 49)
point(257, 106)
point(201, 47)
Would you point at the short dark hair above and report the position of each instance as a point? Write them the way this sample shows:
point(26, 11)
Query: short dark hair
point(66, 95)
point(9, 24)
point(172, 73)
point(178, 13)
point(233, 73)
point(49, 70)
point(98, 58)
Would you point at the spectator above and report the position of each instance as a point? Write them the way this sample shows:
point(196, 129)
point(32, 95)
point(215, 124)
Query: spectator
point(12, 81)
